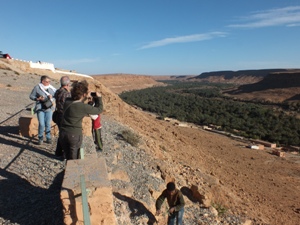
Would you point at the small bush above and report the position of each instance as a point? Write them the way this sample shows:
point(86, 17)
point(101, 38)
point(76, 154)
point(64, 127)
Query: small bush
point(17, 73)
point(220, 208)
point(163, 148)
point(8, 85)
point(131, 137)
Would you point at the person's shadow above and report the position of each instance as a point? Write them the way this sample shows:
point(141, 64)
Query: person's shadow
point(25, 204)
point(137, 208)
point(188, 193)
point(20, 201)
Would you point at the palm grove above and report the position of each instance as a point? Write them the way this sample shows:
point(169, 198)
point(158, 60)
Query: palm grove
point(204, 104)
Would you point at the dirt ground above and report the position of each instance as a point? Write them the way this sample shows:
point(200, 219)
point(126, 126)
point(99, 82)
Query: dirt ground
point(254, 183)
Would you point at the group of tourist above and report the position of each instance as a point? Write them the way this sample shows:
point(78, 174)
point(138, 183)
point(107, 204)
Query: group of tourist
point(70, 110)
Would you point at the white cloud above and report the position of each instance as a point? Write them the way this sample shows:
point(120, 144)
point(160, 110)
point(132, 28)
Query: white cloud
point(288, 16)
point(183, 39)
point(294, 25)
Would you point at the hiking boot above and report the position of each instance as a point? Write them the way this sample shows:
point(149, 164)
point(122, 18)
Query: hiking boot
point(49, 141)
point(98, 149)
point(40, 142)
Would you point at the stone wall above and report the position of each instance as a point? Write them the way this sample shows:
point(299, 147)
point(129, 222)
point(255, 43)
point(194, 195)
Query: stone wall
point(99, 192)
point(42, 65)
point(28, 126)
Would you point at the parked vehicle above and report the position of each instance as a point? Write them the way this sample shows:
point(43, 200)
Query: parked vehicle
point(6, 55)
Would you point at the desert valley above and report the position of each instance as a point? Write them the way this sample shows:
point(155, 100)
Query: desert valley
point(255, 184)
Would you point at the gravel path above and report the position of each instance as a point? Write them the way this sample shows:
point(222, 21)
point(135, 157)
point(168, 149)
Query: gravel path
point(31, 177)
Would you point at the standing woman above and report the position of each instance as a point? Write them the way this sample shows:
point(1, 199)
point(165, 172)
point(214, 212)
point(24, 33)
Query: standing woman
point(43, 94)
point(70, 134)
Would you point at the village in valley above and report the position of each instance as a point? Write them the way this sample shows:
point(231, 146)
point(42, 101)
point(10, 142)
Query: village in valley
point(249, 143)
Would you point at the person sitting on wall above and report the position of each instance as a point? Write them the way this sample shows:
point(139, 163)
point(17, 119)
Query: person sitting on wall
point(75, 109)
point(43, 94)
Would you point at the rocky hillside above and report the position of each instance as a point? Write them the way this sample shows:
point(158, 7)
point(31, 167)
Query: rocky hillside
point(245, 181)
point(230, 74)
point(253, 184)
point(240, 76)
point(275, 87)
point(126, 82)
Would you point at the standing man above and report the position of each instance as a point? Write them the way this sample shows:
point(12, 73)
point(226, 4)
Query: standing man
point(70, 135)
point(60, 97)
point(43, 94)
point(175, 202)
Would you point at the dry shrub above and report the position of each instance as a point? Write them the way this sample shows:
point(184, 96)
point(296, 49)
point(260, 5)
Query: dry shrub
point(131, 137)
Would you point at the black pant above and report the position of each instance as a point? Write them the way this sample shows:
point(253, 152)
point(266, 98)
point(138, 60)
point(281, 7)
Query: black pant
point(59, 149)
point(71, 144)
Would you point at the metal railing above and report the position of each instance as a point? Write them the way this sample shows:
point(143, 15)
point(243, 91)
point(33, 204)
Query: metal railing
point(84, 197)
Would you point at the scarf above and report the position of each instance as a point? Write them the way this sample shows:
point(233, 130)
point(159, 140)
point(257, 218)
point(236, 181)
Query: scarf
point(44, 88)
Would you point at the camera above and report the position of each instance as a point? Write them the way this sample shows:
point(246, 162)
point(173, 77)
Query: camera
point(93, 94)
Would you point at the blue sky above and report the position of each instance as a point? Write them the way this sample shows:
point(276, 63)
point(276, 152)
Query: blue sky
point(153, 37)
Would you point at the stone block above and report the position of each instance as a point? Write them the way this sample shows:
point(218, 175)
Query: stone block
point(278, 153)
point(28, 127)
point(99, 192)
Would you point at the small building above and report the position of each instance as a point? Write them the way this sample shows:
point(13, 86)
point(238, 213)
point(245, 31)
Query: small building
point(5, 56)
point(258, 147)
point(181, 124)
point(206, 128)
point(278, 153)
point(291, 148)
point(265, 143)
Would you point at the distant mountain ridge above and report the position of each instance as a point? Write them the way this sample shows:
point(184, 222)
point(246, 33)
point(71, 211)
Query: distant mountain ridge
point(231, 74)
point(275, 87)
point(273, 81)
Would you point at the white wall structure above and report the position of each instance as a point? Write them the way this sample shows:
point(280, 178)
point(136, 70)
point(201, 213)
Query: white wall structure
point(50, 66)
point(42, 65)
point(72, 73)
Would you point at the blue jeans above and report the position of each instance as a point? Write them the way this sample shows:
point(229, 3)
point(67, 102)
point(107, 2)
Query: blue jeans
point(44, 118)
point(176, 215)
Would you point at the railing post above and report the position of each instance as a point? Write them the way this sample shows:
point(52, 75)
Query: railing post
point(85, 206)
point(81, 152)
